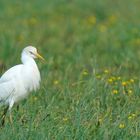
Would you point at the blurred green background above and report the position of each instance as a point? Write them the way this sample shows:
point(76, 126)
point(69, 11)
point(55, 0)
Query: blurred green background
point(86, 44)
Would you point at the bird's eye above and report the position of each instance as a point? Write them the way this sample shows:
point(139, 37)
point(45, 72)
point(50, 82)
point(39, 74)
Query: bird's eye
point(31, 52)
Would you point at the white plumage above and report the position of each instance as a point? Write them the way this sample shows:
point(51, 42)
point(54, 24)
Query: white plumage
point(18, 81)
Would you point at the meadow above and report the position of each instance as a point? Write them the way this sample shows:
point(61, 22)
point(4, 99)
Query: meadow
point(90, 87)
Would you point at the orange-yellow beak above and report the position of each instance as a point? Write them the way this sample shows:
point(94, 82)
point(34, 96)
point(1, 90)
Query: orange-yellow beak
point(39, 56)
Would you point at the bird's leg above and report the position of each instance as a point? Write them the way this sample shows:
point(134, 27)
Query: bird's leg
point(11, 120)
point(4, 115)
point(18, 107)
point(10, 107)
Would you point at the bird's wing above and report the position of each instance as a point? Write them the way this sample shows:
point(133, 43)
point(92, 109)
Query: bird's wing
point(6, 90)
point(8, 82)
point(10, 74)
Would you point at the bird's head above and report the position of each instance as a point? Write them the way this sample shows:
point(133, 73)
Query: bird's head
point(32, 52)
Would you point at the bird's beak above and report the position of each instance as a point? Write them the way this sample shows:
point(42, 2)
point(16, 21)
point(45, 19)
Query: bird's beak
point(39, 56)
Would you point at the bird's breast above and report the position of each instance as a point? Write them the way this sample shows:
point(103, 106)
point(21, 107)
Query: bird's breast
point(31, 78)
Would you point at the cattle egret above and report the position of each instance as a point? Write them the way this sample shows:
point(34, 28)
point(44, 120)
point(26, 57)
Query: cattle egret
point(20, 80)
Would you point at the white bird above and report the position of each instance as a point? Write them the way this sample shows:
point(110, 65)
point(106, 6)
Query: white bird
point(17, 82)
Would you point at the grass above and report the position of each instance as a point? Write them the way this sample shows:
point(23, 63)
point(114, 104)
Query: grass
point(90, 84)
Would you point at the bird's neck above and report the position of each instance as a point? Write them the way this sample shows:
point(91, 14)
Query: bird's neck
point(27, 60)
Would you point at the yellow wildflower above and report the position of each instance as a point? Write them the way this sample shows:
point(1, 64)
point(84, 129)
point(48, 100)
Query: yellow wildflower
point(65, 119)
point(130, 91)
point(132, 80)
point(113, 78)
point(112, 19)
point(55, 82)
point(134, 115)
point(102, 28)
point(110, 80)
point(100, 120)
point(106, 71)
point(91, 20)
point(124, 83)
point(119, 78)
point(98, 76)
point(130, 117)
point(115, 91)
point(35, 98)
point(137, 41)
point(121, 125)
point(85, 72)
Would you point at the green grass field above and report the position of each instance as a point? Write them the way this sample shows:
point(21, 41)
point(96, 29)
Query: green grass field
point(90, 87)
